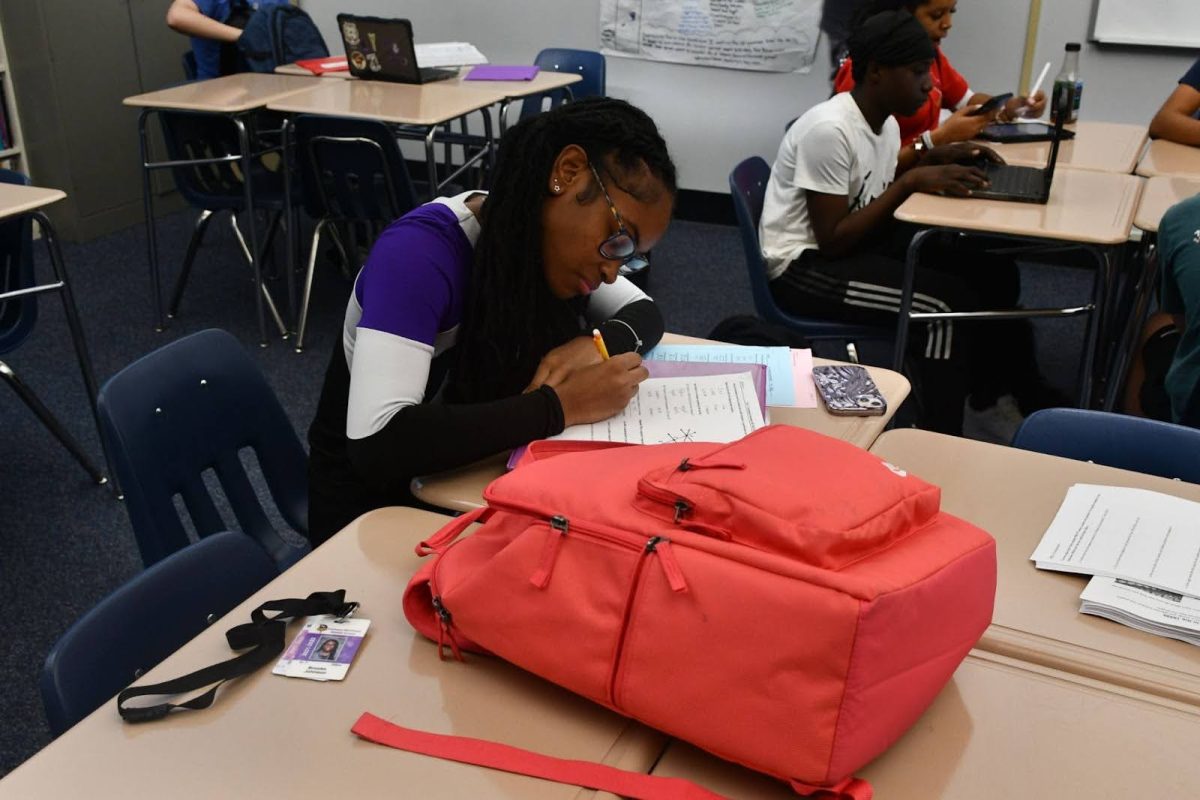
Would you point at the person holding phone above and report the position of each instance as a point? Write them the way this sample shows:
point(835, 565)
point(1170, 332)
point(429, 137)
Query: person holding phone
point(1177, 120)
point(924, 129)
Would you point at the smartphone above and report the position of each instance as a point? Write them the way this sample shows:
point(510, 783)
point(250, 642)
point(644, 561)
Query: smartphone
point(847, 390)
point(992, 105)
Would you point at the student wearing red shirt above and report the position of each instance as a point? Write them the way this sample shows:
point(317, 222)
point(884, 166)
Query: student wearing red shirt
point(923, 130)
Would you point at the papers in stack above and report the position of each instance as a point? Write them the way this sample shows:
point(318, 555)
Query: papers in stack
point(448, 54)
point(789, 372)
point(1142, 546)
point(703, 408)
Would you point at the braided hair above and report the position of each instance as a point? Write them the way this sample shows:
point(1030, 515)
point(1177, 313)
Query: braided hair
point(511, 318)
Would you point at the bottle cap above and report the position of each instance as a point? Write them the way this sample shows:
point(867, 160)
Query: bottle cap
point(1073, 47)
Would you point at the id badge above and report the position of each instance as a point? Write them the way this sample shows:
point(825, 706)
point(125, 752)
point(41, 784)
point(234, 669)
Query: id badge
point(324, 648)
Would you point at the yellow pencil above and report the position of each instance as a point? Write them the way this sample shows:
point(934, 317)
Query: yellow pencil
point(599, 341)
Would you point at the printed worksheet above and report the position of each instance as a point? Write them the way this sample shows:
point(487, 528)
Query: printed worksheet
point(781, 385)
point(702, 408)
point(1134, 534)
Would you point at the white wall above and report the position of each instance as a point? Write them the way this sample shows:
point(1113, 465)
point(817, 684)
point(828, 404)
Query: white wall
point(712, 118)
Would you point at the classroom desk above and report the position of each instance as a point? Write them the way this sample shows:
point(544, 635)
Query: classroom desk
point(268, 736)
point(234, 96)
point(1014, 495)
point(1097, 146)
point(1002, 729)
point(1093, 210)
point(17, 201)
point(462, 489)
point(1169, 158)
point(1162, 192)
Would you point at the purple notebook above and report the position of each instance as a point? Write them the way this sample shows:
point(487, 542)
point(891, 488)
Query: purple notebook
point(500, 72)
point(683, 369)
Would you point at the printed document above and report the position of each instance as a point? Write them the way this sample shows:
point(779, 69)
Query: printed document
point(1156, 611)
point(703, 408)
point(448, 54)
point(785, 386)
point(1137, 535)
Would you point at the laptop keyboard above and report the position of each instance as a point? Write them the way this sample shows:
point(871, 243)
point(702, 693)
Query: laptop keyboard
point(1022, 181)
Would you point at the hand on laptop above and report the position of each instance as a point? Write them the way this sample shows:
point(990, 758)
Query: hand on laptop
point(960, 153)
point(951, 179)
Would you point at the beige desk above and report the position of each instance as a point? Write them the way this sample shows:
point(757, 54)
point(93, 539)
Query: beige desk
point(230, 94)
point(430, 104)
point(1014, 495)
point(1002, 730)
point(268, 736)
point(1160, 194)
point(462, 489)
point(1097, 147)
point(1168, 158)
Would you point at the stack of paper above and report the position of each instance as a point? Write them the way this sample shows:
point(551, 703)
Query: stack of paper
point(448, 54)
point(1142, 546)
point(789, 372)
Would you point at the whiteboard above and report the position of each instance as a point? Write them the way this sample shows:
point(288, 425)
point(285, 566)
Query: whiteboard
point(1158, 23)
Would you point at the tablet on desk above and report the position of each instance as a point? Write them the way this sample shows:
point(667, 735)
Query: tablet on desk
point(1013, 132)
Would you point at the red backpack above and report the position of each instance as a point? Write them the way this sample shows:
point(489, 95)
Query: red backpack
point(788, 601)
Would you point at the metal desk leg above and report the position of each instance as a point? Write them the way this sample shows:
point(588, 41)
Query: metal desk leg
point(1101, 290)
point(81, 350)
point(504, 104)
point(148, 209)
point(490, 144)
point(246, 160)
point(431, 162)
point(291, 218)
point(906, 296)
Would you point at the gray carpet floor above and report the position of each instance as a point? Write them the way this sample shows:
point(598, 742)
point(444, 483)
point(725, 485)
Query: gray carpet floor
point(65, 543)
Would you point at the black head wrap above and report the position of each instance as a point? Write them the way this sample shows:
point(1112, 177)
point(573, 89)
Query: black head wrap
point(890, 39)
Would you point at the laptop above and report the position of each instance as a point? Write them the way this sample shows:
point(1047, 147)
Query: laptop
point(1023, 184)
point(1016, 132)
point(380, 49)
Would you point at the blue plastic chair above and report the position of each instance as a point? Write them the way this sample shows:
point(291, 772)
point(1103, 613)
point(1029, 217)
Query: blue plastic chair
point(748, 186)
point(1114, 440)
point(188, 407)
point(588, 63)
point(146, 620)
point(18, 316)
point(352, 176)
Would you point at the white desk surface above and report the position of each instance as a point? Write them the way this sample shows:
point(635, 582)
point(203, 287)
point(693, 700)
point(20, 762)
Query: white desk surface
point(1168, 158)
point(269, 736)
point(462, 489)
point(1087, 207)
point(1162, 192)
point(230, 94)
point(1097, 146)
point(1014, 495)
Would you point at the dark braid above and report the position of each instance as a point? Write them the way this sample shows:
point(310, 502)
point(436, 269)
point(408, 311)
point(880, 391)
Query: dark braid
point(511, 318)
point(868, 10)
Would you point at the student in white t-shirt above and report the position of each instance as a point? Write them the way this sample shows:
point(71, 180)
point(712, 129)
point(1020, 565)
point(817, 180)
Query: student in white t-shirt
point(833, 249)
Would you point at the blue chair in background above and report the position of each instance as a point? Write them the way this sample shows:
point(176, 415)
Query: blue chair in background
point(146, 620)
point(748, 186)
point(216, 185)
point(194, 406)
point(1114, 440)
point(18, 315)
point(588, 63)
point(353, 178)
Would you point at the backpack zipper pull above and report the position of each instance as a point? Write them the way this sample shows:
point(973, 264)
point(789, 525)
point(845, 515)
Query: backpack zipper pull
point(559, 525)
point(681, 507)
point(445, 634)
point(661, 546)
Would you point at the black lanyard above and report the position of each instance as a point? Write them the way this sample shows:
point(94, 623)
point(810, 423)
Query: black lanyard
point(265, 635)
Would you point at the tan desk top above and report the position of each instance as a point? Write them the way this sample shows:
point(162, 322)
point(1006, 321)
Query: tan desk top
point(462, 489)
point(544, 81)
point(397, 103)
point(1169, 158)
point(1002, 730)
point(16, 199)
point(1014, 495)
point(1160, 194)
point(230, 94)
point(269, 736)
point(1089, 207)
point(1097, 146)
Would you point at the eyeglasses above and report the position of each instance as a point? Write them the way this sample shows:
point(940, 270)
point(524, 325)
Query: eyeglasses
point(621, 246)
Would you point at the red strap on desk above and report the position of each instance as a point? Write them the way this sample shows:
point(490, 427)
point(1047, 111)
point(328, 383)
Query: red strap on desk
point(494, 755)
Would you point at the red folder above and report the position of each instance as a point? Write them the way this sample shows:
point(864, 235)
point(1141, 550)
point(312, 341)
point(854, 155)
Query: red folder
point(319, 66)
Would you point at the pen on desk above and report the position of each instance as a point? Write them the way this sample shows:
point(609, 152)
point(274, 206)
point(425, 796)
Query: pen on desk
point(598, 340)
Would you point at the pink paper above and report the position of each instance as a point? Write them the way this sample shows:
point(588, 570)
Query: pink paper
point(806, 390)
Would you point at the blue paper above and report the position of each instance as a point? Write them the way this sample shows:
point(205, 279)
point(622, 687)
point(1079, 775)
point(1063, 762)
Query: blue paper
point(781, 386)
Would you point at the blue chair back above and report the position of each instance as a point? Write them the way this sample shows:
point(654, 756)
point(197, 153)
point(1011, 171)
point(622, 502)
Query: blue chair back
point(352, 170)
point(192, 135)
point(748, 187)
point(588, 63)
point(190, 407)
point(18, 315)
point(146, 620)
point(1114, 440)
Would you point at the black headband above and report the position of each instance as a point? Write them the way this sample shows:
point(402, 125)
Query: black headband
point(891, 39)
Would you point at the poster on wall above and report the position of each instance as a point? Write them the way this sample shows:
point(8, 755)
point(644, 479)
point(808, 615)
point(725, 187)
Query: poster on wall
point(762, 35)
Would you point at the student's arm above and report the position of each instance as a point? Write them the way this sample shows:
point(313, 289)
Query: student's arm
point(1176, 121)
point(185, 17)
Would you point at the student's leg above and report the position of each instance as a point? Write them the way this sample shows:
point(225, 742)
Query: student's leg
point(1145, 387)
point(865, 289)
